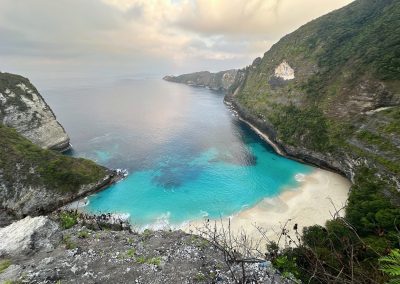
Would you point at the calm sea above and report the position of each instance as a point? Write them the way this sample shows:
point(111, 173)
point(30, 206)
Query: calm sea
point(187, 155)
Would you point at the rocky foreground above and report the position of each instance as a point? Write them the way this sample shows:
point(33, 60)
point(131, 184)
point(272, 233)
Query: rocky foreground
point(103, 250)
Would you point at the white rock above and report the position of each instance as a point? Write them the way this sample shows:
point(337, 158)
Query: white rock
point(3, 99)
point(284, 71)
point(10, 274)
point(31, 116)
point(26, 235)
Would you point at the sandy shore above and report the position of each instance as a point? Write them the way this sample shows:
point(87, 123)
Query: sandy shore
point(313, 202)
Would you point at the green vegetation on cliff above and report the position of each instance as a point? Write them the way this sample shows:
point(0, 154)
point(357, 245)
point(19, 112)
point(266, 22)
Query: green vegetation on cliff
point(343, 106)
point(349, 248)
point(347, 65)
point(22, 162)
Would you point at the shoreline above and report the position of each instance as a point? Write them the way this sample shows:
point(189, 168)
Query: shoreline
point(311, 203)
point(314, 202)
point(302, 155)
point(264, 137)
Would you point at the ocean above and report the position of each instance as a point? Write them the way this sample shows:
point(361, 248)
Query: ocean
point(188, 156)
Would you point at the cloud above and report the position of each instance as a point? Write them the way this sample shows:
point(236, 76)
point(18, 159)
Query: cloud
point(146, 35)
point(251, 17)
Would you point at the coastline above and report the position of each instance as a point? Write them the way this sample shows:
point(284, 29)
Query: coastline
point(320, 195)
point(315, 201)
point(266, 131)
point(312, 202)
point(265, 137)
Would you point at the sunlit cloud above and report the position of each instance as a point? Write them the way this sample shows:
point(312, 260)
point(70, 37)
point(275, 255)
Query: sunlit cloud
point(146, 35)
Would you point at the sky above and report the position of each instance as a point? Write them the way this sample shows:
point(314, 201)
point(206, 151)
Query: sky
point(56, 38)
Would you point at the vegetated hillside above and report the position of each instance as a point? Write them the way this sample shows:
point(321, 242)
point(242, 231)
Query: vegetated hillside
point(23, 108)
point(35, 181)
point(329, 93)
point(344, 100)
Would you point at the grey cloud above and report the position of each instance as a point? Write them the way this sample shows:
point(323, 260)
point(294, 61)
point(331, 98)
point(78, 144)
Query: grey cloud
point(98, 36)
point(53, 28)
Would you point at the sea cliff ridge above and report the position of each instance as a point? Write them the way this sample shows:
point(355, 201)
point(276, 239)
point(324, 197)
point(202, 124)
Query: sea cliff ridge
point(24, 109)
point(35, 178)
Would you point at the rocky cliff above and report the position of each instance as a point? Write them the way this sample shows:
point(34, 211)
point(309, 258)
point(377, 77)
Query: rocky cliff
point(23, 108)
point(329, 92)
point(34, 179)
point(39, 250)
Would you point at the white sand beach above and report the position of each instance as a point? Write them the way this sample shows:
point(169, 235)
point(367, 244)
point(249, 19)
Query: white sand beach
point(314, 202)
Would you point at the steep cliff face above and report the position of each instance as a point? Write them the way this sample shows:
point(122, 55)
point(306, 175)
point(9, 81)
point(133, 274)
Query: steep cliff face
point(23, 108)
point(221, 81)
point(330, 91)
point(33, 178)
point(35, 181)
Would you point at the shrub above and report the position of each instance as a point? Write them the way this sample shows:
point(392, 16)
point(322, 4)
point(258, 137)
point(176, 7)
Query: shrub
point(287, 266)
point(390, 264)
point(69, 244)
point(68, 219)
point(83, 234)
point(130, 252)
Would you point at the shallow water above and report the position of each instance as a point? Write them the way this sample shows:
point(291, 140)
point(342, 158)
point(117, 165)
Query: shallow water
point(186, 153)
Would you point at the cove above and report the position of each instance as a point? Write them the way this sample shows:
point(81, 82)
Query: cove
point(188, 156)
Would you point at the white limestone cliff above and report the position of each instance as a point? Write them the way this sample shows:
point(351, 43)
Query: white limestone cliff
point(284, 71)
point(23, 108)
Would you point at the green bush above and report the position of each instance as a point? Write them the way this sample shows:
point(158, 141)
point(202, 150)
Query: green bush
point(287, 266)
point(130, 252)
point(368, 209)
point(150, 260)
point(83, 234)
point(68, 219)
point(69, 244)
point(390, 264)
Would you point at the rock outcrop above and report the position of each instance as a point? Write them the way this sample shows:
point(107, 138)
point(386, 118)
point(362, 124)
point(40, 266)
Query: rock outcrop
point(23, 108)
point(284, 71)
point(28, 235)
point(35, 181)
point(85, 255)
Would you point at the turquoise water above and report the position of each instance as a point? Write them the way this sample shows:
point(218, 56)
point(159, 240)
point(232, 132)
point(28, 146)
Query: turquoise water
point(187, 154)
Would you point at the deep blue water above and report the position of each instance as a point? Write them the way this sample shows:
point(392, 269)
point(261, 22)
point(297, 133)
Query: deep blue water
point(187, 155)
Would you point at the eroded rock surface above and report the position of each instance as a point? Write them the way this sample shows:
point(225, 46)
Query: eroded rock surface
point(27, 235)
point(84, 255)
point(284, 71)
point(23, 108)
